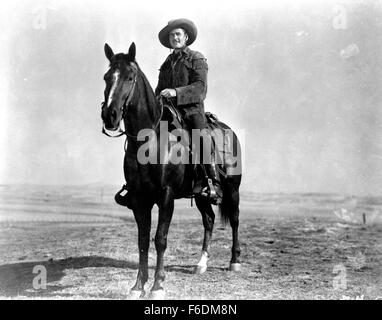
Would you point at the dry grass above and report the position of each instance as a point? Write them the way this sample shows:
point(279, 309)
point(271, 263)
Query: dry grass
point(290, 247)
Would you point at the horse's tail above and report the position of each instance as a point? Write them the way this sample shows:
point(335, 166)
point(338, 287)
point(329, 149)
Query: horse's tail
point(230, 182)
point(224, 213)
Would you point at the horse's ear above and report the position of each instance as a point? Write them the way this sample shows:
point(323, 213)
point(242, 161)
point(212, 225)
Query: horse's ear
point(108, 52)
point(132, 51)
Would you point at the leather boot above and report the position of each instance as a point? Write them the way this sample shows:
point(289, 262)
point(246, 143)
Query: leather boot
point(214, 191)
point(123, 200)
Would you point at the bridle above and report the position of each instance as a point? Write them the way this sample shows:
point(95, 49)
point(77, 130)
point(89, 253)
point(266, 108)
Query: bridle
point(124, 109)
point(121, 132)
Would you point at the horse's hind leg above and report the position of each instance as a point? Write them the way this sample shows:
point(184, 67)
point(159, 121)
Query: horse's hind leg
point(230, 210)
point(208, 217)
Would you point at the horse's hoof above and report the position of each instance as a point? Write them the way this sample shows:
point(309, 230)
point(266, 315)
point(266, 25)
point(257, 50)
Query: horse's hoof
point(136, 294)
point(236, 267)
point(157, 295)
point(200, 269)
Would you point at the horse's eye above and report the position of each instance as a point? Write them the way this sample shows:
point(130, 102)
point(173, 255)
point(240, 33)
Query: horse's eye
point(130, 79)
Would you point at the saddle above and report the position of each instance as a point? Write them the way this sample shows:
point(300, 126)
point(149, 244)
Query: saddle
point(172, 114)
point(176, 121)
point(219, 147)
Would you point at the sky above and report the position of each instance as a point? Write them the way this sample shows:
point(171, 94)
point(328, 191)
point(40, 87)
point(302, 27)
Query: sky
point(300, 81)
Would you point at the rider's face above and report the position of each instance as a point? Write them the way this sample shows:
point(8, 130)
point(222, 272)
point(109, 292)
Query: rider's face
point(178, 38)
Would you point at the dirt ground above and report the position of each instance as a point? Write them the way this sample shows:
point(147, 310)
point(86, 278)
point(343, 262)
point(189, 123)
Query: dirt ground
point(294, 246)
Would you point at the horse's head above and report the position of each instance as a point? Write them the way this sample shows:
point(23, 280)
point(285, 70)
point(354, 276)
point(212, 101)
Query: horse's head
point(120, 84)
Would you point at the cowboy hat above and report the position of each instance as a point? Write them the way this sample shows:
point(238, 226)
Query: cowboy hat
point(184, 24)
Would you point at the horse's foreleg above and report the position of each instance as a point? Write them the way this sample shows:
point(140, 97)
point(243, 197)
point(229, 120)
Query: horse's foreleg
point(208, 217)
point(234, 222)
point(166, 209)
point(143, 219)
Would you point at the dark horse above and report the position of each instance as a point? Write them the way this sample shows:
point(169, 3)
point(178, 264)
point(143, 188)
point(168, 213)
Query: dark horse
point(130, 98)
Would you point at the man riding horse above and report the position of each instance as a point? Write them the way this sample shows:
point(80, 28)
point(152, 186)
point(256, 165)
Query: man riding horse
point(183, 84)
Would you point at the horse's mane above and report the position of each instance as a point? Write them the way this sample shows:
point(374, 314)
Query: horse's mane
point(149, 92)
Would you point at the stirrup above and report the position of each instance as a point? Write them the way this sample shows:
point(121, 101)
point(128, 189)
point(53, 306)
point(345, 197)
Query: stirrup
point(123, 200)
point(212, 194)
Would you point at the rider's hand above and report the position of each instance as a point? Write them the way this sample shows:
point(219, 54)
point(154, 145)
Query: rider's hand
point(168, 93)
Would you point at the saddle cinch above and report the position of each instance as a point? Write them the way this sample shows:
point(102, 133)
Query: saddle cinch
point(220, 145)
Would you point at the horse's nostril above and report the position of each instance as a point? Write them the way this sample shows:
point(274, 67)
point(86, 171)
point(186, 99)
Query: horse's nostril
point(114, 114)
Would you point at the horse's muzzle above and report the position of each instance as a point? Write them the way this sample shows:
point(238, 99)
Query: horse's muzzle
point(110, 119)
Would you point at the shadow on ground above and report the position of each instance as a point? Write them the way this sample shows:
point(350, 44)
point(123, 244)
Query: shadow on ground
point(17, 278)
point(189, 269)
